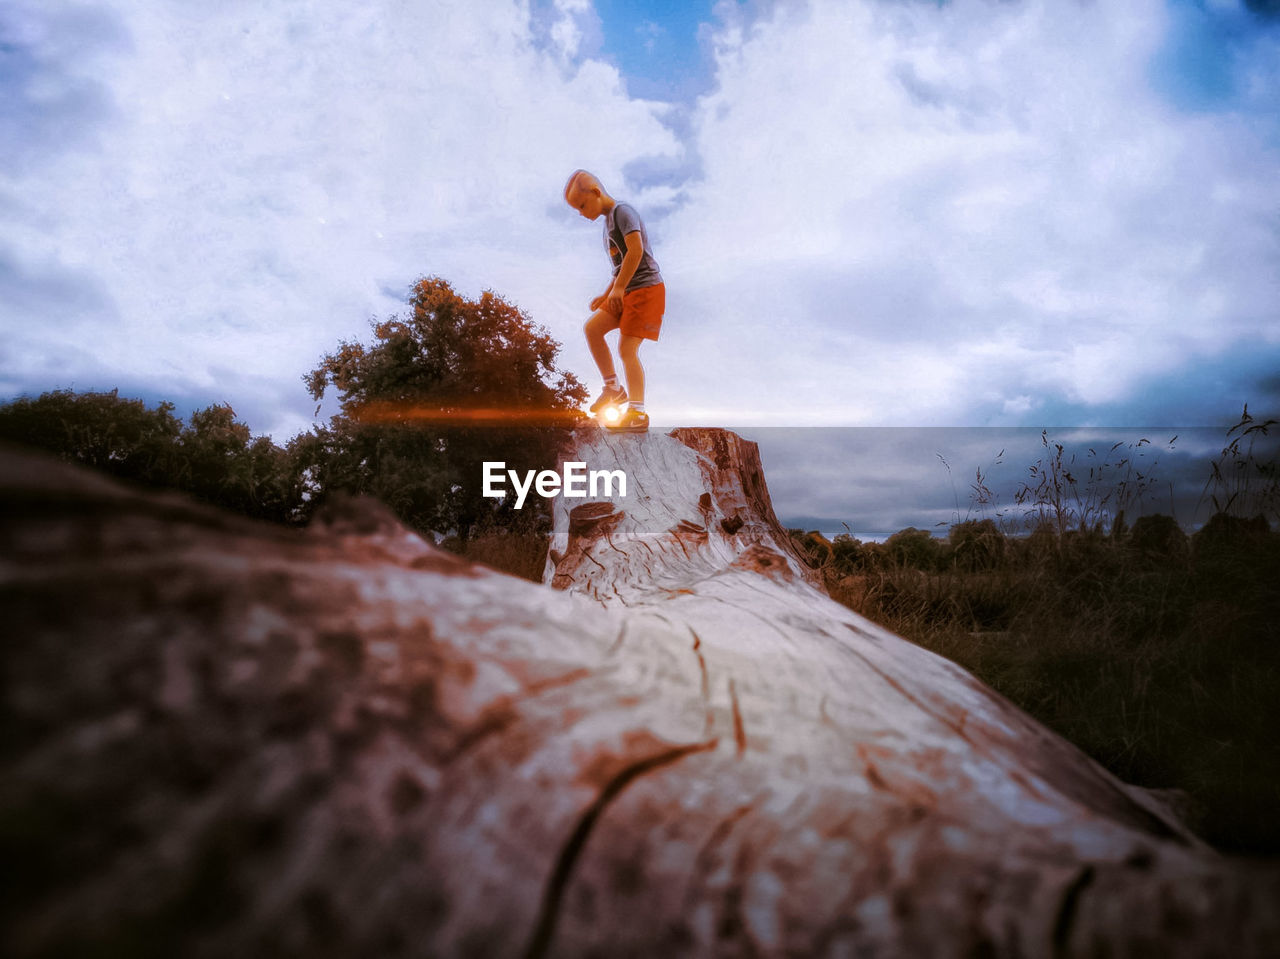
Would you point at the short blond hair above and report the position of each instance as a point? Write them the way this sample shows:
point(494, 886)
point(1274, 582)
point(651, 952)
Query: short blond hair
point(581, 180)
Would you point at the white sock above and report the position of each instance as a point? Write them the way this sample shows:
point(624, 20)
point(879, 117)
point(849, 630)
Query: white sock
point(638, 407)
point(611, 382)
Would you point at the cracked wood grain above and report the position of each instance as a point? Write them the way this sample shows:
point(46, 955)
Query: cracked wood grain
point(739, 727)
point(544, 930)
point(705, 681)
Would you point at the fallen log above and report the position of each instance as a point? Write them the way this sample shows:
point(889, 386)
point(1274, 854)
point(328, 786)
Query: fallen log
point(229, 738)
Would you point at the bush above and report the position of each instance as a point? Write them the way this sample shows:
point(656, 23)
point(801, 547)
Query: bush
point(976, 544)
point(1159, 538)
point(213, 458)
point(913, 548)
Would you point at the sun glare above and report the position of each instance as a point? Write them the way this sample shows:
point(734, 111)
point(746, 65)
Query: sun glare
point(406, 413)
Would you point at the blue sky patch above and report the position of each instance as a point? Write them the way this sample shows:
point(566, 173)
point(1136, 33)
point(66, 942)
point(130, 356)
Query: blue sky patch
point(1202, 62)
point(658, 46)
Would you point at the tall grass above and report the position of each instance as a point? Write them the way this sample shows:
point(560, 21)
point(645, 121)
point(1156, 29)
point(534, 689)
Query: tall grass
point(1155, 652)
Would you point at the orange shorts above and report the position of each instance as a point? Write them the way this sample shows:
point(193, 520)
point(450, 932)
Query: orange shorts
point(642, 311)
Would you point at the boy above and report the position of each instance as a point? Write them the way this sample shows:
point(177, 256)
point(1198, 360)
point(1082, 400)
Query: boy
point(633, 304)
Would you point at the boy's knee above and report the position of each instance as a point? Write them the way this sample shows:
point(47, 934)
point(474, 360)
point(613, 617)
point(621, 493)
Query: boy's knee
point(598, 324)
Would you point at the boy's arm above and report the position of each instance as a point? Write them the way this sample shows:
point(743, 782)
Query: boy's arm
point(603, 298)
point(635, 250)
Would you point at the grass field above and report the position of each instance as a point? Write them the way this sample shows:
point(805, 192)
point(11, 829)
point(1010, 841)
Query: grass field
point(1156, 652)
point(1164, 665)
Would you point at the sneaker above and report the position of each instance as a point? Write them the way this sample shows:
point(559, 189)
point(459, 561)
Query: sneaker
point(610, 396)
point(633, 421)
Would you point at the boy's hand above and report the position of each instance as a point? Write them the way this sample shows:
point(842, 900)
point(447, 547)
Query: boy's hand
point(615, 299)
point(597, 302)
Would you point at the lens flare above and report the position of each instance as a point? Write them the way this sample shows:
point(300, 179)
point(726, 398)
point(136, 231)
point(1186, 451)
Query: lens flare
point(406, 414)
point(612, 414)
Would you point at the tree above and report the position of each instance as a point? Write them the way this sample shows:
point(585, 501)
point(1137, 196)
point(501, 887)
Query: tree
point(224, 464)
point(122, 436)
point(453, 384)
point(214, 458)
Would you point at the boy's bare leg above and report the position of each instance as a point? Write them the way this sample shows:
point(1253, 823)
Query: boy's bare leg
point(600, 323)
point(629, 350)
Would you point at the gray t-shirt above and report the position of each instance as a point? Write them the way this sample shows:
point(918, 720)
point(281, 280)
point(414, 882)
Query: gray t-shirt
point(618, 222)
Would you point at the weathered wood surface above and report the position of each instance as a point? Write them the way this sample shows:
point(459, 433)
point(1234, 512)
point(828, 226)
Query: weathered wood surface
point(224, 738)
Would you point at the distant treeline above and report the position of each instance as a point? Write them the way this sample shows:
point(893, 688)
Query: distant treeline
point(981, 545)
point(211, 456)
point(408, 431)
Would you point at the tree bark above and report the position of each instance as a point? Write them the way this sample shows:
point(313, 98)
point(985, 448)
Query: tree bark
point(228, 738)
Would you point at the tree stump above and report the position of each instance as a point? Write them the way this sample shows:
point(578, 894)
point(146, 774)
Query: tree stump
point(229, 738)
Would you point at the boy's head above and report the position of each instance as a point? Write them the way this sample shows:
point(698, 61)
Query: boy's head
point(584, 193)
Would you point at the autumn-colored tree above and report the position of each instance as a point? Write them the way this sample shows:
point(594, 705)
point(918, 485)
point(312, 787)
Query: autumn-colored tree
point(452, 384)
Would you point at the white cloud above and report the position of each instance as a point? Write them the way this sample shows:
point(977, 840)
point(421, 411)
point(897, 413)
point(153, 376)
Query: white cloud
point(567, 31)
point(268, 170)
point(904, 212)
point(911, 212)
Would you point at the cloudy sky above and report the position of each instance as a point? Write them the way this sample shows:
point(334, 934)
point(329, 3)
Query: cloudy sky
point(907, 213)
point(873, 481)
